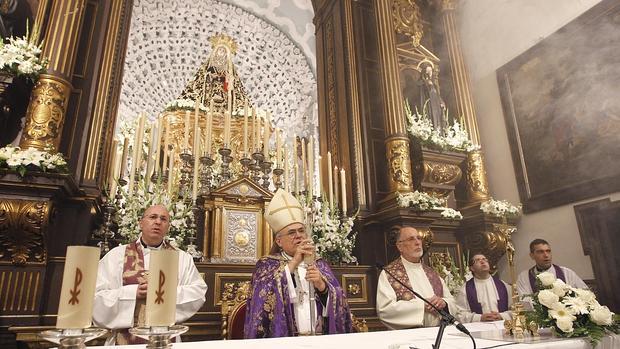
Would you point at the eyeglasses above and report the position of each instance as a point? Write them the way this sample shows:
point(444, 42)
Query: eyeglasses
point(413, 238)
point(294, 233)
point(153, 217)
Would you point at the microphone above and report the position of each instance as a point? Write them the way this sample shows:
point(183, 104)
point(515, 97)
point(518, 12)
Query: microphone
point(444, 315)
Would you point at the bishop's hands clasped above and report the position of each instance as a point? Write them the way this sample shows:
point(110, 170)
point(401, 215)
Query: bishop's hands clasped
point(305, 251)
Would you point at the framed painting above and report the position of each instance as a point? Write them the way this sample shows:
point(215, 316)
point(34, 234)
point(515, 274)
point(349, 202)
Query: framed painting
point(561, 102)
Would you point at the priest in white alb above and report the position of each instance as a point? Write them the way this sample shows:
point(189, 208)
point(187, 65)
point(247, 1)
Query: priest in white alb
point(399, 308)
point(122, 283)
point(483, 297)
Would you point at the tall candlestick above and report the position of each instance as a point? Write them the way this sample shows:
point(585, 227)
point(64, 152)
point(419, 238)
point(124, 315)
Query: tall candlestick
point(319, 177)
point(136, 157)
point(124, 157)
point(160, 134)
point(196, 133)
point(311, 166)
point(304, 185)
point(228, 117)
point(296, 176)
point(186, 130)
point(149, 157)
point(166, 145)
point(112, 168)
point(266, 136)
point(170, 167)
point(286, 174)
point(330, 179)
point(77, 293)
point(161, 295)
point(245, 128)
point(278, 162)
point(115, 173)
point(196, 165)
point(256, 130)
point(343, 186)
point(209, 132)
point(336, 198)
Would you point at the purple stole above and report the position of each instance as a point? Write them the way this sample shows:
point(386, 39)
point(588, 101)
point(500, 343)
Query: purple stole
point(133, 271)
point(472, 295)
point(397, 268)
point(532, 275)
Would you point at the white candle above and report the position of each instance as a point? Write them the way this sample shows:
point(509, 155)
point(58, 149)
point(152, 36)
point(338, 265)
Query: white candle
point(228, 117)
point(245, 129)
point(318, 178)
point(343, 186)
point(330, 180)
point(186, 131)
point(160, 132)
point(166, 145)
point(304, 182)
point(311, 166)
point(286, 174)
point(256, 130)
point(77, 293)
point(336, 185)
point(161, 295)
point(114, 174)
point(196, 133)
point(266, 137)
point(112, 168)
point(196, 164)
point(149, 157)
point(170, 167)
point(209, 132)
point(124, 157)
point(278, 162)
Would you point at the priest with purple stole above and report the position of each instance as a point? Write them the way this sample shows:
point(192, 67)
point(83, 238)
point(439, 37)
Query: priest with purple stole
point(483, 297)
point(540, 252)
point(120, 295)
point(279, 303)
point(399, 308)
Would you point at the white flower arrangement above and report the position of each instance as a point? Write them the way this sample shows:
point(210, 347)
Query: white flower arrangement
point(500, 208)
point(21, 57)
point(454, 138)
point(131, 208)
point(184, 104)
point(424, 202)
point(450, 273)
point(332, 235)
point(571, 312)
point(31, 159)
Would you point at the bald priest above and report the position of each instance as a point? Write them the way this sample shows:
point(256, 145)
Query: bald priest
point(280, 303)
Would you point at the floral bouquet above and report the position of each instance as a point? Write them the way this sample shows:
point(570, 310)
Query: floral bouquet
point(571, 312)
point(21, 57)
point(454, 138)
point(425, 202)
point(130, 209)
point(184, 104)
point(444, 265)
point(332, 234)
point(22, 161)
point(500, 208)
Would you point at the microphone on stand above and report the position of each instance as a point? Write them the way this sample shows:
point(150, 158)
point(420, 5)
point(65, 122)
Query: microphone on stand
point(446, 318)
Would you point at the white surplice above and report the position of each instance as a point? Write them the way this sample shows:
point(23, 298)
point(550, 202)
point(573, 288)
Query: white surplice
point(488, 298)
point(300, 296)
point(407, 314)
point(115, 303)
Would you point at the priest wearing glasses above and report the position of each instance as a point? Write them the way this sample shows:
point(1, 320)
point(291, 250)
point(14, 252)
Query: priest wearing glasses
point(120, 295)
point(399, 308)
point(280, 304)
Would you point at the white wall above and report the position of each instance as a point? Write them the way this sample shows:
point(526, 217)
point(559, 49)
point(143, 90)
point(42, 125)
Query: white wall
point(493, 32)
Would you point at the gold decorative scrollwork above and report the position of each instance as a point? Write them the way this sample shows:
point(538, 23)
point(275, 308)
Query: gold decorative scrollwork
point(353, 289)
point(399, 164)
point(332, 118)
point(493, 243)
point(441, 173)
point(46, 113)
point(477, 187)
point(22, 231)
point(427, 237)
point(407, 19)
point(235, 291)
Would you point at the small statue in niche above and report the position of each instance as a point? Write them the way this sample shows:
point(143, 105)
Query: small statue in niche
point(430, 98)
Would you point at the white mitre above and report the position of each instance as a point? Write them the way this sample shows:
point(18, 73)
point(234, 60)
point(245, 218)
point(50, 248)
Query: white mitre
point(283, 210)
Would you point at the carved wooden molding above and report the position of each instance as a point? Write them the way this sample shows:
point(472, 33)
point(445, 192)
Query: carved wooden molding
point(23, 225)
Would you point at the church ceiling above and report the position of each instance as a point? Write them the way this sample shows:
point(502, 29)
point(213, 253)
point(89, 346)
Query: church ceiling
point(168, 42)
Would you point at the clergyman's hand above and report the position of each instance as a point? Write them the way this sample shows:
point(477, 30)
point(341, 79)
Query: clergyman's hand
point(436, 301)
point(313, 274)
point(492, 316)
point(304, 248)
point(141, 291)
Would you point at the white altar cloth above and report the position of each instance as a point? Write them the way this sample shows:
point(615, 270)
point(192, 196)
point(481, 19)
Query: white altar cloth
point(421, 338)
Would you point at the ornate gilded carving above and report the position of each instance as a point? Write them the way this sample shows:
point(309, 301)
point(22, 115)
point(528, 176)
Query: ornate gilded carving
point(22, 231)
point(492, 242)
point(235, 291)
point(477, 187)
point(399, 164)
point(448, 5)
point(407, 19)
point(353, 289)
point(332, 118)
point(46, 113)
point(427, 236)
point(440, 259)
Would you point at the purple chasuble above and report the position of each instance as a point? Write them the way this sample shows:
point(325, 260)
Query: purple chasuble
point(559, 273)
point(472, 295)
point(397, 268)
point(270, 311)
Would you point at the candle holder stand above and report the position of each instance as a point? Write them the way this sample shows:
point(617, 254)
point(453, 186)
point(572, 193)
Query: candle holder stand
point(226, 160)
point(206, 172)
point(277, 178)
point(266, 166)
point(72, 338)
point(192, 249)
point(245, 166)
point(159, 337)
point(256, 166)
point(186, 170)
